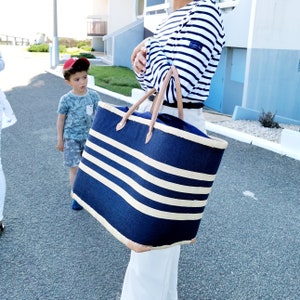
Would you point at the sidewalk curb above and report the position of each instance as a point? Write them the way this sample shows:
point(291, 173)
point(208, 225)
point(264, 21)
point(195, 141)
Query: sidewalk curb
point(256, 141)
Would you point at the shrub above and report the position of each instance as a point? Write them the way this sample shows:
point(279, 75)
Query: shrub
point(86, 55)
point(85, 45)
point(72, 43)
point(38, 48)
point(68, 42)
point(267, 120)
point(62, 49)
point(66, 45)
point(86, 48)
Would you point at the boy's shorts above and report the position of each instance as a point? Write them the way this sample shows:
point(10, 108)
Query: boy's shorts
point(73, 152)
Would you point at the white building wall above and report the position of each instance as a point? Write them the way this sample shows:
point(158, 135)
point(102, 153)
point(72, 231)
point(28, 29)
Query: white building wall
point(237, 24)
point(277, 24)
point(120, 14)
point(272, 76)
point(100, 7)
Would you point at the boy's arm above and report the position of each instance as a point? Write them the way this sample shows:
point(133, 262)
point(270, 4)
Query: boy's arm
point(60, 131)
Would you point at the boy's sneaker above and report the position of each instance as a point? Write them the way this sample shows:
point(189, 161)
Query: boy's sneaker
point(76, 206)
point(1, 227)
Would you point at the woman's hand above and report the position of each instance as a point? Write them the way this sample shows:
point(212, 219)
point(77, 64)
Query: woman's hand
point(138, 58)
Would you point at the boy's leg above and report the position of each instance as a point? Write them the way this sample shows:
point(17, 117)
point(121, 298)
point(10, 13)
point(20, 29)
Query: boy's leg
point(73, 172)
point(72, 157)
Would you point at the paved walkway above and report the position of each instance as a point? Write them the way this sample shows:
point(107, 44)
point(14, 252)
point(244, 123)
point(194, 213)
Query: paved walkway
point(248, 243)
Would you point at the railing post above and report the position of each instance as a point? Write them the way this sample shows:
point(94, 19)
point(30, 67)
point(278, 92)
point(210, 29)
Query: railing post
point(55, 46)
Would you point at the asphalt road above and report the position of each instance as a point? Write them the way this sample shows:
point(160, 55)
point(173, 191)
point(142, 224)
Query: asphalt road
point(247, 247)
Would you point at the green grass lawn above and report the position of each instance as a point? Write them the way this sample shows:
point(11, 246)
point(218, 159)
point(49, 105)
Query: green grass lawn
point(120, 80)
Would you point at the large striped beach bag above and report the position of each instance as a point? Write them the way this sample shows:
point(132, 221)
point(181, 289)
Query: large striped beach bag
point(146, 177)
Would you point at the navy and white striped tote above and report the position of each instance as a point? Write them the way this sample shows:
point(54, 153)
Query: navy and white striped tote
point(151, 192)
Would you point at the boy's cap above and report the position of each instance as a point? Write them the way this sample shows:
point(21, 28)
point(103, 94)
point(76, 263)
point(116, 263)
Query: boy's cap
point(72, 62)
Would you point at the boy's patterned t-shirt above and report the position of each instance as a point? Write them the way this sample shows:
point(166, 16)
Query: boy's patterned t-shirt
point(80, 112)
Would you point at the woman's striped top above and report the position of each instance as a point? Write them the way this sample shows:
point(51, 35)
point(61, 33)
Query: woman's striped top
point(191, 38)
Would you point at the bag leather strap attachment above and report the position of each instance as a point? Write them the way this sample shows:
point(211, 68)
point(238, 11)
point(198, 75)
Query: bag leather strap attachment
point(157, 103)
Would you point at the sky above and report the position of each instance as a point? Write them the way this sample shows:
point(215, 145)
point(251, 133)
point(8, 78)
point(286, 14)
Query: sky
point(26, 18)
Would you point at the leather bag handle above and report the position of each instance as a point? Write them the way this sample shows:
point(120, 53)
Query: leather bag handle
point(157, 103)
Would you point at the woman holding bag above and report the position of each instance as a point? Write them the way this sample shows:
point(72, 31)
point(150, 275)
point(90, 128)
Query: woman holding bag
point(7, 118)
point(191, 39)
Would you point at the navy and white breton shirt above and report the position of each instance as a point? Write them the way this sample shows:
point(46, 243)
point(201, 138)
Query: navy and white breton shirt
point(191, 38)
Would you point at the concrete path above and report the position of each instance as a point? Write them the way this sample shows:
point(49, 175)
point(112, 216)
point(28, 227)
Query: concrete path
point(248, 243)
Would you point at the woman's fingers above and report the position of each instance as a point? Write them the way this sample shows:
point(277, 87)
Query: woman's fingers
point(139, 63)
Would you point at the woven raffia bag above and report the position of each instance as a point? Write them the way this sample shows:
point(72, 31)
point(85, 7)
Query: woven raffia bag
point(146, 176)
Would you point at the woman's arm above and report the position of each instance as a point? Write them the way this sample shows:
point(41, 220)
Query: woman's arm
point(194, 46)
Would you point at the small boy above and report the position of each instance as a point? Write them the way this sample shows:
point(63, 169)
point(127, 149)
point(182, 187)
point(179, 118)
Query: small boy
point(76, 111)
